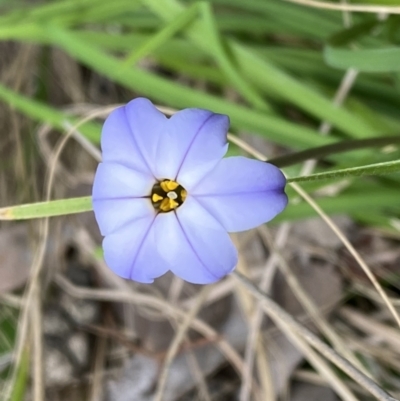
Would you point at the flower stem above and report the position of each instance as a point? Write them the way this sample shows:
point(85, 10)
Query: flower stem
point(334, 148)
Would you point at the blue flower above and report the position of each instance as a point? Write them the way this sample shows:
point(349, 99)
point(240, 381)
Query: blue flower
point(165, 199)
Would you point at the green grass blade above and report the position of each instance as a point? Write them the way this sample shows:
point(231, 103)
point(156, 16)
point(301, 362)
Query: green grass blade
point(270, 78)
point(166, 33)
point(177, 95)
point(47, 209)
point(22, 377)
point(361, 202)
point(367, 60)
point(290, 18)
point(69, 12)
point(372, 169)
point(334, 149)
point(45, 114)
point(215, 46)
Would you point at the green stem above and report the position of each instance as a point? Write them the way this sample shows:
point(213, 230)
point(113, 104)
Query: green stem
point(53, 208)
point(321, 152)
point(370, 169)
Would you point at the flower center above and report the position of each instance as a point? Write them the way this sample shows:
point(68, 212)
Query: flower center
point(167, 195)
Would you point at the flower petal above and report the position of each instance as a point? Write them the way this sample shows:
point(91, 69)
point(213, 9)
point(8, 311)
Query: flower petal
point(193, 142)
point(112, 214)
point(147, 126)
point(194, 244)
point(118, 143)
point(114, 180)
point(129, 252)
point(242, 193)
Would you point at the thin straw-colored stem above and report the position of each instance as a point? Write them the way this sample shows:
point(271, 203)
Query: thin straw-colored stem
point(322, 347)
point(344, 88)
point(33, 290)
point(283, 319)
point(350, 248)
point(256, 318)
point(308, 304)
point(167, 309)
point(177, 341)
point(341, 236)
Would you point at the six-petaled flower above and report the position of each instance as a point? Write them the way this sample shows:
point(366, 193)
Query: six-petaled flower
point(165, 198)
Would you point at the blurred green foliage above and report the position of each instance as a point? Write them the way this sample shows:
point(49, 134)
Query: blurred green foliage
point(272, 66)
point(282, 62)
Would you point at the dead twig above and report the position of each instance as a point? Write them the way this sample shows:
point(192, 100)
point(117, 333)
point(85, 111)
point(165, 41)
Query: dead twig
point(284, 320)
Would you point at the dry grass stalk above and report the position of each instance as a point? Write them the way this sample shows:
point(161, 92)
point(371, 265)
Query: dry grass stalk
point(300, 335)
point(178, 339)
point(363, 8)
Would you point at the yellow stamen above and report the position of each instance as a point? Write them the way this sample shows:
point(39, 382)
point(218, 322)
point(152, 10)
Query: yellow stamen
point(168, 185)
point(168, 204)
point(155, 198)
point(183, 194)
point(167, 195)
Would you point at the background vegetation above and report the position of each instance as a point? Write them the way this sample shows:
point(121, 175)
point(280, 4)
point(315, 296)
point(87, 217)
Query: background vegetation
point(292, 77)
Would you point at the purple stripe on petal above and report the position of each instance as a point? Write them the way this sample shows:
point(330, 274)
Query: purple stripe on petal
point(112, 214)
point(192, 144)
point(149, 262)
point(147, 126)
point(194, 244)
point(240, 175)
point(141, 145)
point(178, 253)
point(243, 212)
point(118, 144)
point(114, 180)
point(131, 251)
point(122, 247)
point(242, 193)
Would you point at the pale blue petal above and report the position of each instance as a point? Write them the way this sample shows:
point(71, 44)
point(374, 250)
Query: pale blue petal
point(149, 262)
point(193, 142)
point(118, 143)
point(130, 252)
point(112, 214)
point(114, 180)
point(194, 245)
point(122, 246)
point(242, 193)
point(147, 126)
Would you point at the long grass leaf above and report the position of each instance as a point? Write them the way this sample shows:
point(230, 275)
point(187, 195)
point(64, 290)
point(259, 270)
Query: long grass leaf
point(176, 95)
point(47, 209)
point(270, 78)
point(372, 169)
point(46, 114)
